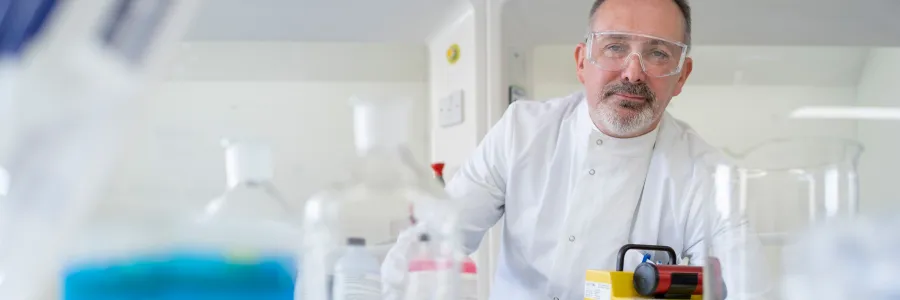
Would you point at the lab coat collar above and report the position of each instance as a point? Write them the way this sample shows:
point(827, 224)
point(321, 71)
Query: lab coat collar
point(641, 145)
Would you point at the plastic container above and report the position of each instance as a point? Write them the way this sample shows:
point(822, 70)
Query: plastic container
point(357, 274)
point(764, 198)
point(385, 183)
point(243, 245)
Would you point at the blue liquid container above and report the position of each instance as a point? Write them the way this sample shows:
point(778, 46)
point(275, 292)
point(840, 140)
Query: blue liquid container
point(183, 275)
point(242, 245)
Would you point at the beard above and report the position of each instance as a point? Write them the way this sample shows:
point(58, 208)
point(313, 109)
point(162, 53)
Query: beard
point(642, 115)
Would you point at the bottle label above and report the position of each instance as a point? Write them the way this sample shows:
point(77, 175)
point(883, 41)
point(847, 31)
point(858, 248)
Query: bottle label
point(357, 287)
point(597, 290)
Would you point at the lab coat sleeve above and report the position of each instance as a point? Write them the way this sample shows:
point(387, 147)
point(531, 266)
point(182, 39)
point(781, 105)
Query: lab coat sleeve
point(734, 243)
point(477, 188)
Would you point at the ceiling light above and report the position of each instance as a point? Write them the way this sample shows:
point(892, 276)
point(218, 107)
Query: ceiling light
point(846, 112)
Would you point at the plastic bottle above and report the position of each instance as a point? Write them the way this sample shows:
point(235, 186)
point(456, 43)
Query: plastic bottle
point(357, 273)
point(243, 245)
point(385, 182)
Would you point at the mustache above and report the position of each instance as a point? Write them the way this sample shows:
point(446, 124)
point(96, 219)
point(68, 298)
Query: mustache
point(621, 87)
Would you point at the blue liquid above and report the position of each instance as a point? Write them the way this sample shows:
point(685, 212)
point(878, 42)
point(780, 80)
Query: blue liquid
point(183, 276)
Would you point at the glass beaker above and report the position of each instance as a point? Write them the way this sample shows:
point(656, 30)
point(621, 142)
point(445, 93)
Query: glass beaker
point(769, 193)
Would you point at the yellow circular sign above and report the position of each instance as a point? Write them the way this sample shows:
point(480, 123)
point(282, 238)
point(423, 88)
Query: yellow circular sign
point(453, 54)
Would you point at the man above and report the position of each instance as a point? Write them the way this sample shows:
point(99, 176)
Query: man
point(579, 177)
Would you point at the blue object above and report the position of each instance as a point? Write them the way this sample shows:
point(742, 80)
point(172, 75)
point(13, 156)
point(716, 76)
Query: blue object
point(21, 21)
point(183, 276)
point(646, 257)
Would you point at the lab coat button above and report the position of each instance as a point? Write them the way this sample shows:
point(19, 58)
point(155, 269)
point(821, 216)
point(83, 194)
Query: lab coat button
point(571, 238)
point(599, 142)
point(592, 172)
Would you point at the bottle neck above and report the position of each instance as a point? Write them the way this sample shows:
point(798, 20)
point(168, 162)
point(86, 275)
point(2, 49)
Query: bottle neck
point(380, 126)
point(247, 163)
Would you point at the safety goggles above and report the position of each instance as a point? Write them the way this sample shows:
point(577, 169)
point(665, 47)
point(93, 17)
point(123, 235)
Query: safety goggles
point(612, 51)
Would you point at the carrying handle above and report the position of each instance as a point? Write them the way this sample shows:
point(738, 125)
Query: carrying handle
point(620, 261)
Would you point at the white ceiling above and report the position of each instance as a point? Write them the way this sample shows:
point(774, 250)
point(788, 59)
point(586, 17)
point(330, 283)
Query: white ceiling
point(718, 22)
point(323, 20)
point(718, 26)
point(758, 42)
point(732, 22)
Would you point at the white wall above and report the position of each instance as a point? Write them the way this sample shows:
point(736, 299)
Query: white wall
point(880, 86)
point(738, 117)
point(516, 56)
point(454, 144)
point(293, 95)
point(553, 71)
point(726, 115)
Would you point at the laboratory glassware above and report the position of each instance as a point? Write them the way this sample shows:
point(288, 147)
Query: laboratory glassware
point(242, 245)
point(384, 183)
point(76, 70)
point(763, 198)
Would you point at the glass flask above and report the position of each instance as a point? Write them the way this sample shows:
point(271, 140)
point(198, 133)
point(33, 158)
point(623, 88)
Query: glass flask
point(763, 199)
point(242, 245)
point(384, 183)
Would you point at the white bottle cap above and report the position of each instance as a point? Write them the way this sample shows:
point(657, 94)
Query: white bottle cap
point(380, 123)
point(247, 161)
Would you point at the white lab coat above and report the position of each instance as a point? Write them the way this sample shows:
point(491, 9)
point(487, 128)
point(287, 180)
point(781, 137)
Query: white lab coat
point(570, 196)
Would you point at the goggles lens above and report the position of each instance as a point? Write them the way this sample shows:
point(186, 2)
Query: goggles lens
point(612, 51)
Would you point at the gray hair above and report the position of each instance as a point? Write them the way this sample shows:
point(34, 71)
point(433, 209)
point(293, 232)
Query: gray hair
point(682, 5)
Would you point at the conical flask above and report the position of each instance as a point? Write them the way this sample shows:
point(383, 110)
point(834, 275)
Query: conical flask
point(765, 197)
point(385, 183)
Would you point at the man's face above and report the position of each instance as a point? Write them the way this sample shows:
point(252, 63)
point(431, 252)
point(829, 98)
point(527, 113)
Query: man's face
point(629, 102)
